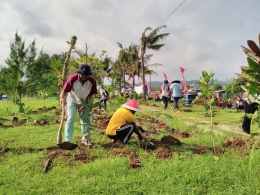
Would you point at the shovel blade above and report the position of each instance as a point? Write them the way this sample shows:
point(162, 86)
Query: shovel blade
point(67, 146)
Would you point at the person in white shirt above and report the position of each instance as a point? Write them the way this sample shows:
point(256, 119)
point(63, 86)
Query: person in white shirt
point(78, 86)
point(104, 97)
point(165, 93)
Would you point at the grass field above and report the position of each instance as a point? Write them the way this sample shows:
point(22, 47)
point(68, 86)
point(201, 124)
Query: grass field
point(25, 148)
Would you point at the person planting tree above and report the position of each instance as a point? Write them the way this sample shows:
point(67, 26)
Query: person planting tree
point(121, 125)
point(78, 86)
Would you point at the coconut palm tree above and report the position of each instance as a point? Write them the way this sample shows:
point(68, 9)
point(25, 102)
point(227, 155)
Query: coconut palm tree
point(128, 57)
point(123, 59)
point(134, 69)
point(150, 42)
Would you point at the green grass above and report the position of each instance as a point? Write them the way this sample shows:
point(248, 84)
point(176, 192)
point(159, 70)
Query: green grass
point(23, 155)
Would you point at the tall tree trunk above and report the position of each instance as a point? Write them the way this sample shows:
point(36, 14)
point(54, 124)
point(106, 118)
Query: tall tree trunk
point(143, 75)
point(124, 76)
point(134, 80)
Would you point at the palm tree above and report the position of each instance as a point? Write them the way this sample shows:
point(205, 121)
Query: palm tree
point(134, 69)
point(128, 57)
point(123, 59)
point(133, 59)
point(150, 42)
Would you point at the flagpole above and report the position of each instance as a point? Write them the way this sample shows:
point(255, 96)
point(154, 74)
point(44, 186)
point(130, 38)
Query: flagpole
point(184, 82)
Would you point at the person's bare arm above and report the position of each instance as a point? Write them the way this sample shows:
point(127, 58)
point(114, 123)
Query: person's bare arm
point(63, 97)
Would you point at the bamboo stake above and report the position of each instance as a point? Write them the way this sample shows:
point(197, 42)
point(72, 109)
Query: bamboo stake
point(72, 43)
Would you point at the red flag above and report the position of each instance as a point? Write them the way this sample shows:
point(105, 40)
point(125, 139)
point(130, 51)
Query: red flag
point(165, 76)
point(184, 82)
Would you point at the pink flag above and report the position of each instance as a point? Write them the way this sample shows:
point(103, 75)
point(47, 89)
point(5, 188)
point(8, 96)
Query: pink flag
point(139, 81)
point(217, 96)
point(184, 82)
point(148, 88)
point(165, 76)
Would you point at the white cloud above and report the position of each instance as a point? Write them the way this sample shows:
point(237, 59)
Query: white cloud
point(204, 35)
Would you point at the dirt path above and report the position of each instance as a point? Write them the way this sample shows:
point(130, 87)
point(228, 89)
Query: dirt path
point(220, 127)
point(216, 128)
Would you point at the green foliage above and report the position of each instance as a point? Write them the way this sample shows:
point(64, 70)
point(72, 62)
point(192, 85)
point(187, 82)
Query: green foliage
point(24, 152)
point(150, 41)
point(89, 106)
point(99, 66)
point(136, 96)
point(216, 86)
point(44, 95)
point(22, 109)
point(36, 74)
point(252, 71)
point(118, 101)
point(234, 88)
point(20, 58)
point(209, 98)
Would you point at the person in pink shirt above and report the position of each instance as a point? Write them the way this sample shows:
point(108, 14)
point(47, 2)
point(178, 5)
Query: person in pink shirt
point(78, 86)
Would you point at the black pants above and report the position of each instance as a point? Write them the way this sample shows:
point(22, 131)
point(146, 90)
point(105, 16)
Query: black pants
point(175, 102)
point(249, 108)
point(246, 125)
point(105, 104)
point(124, 133)
point(165, 102)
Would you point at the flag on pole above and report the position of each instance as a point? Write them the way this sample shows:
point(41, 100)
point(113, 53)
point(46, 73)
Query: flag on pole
point(184, 82)
point(165, 76)
point(182, 70)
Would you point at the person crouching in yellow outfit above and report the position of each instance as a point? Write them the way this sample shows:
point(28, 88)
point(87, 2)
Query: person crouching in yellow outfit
point(121, 125)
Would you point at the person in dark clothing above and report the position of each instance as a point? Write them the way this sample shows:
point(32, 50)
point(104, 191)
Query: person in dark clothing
point(240, 103)
point(250, 108)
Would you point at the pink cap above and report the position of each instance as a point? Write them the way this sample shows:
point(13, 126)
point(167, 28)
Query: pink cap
point(132, 105)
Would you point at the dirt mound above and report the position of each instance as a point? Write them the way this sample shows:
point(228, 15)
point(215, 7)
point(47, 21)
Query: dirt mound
point(169, 140)
point(243, 145)
point(181, 134)
point(184, 134)
point(43, 109)
point(164, 152)
point(187, 110)
point(3, 119)
point(20, 122)
point(104, 123)
point(201, 149)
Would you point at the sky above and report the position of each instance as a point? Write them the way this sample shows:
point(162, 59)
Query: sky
point(204, 34)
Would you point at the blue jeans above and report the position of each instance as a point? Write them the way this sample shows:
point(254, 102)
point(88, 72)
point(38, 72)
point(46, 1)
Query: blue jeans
point(72, 109)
